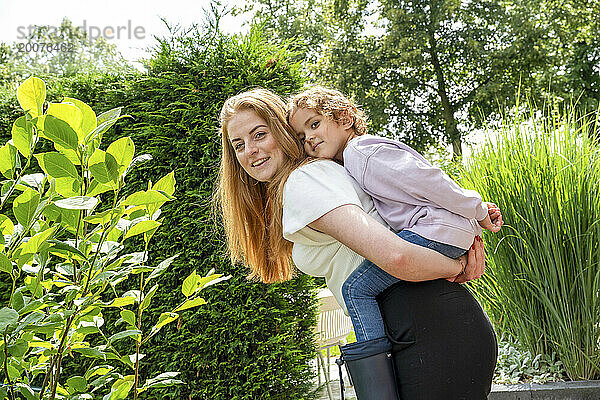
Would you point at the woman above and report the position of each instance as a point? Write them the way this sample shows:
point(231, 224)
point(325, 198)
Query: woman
point(444, 346)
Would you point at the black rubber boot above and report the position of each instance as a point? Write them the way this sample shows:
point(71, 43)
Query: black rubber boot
point(370, 367)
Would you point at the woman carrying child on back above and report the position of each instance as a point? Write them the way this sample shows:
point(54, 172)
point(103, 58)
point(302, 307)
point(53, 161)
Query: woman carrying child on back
point(417, 200)
point(443, 344)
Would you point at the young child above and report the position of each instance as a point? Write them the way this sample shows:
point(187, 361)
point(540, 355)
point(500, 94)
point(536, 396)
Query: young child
point(417, 200)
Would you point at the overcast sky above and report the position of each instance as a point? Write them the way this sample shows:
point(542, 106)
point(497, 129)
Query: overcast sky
point(100, 15)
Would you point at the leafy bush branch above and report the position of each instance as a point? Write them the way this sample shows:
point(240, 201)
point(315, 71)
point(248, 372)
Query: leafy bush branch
point(63, 254)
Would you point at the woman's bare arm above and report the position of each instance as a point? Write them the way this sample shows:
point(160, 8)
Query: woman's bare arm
point(353, 227)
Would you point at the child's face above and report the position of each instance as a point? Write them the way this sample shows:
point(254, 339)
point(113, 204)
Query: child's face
point(321, 136)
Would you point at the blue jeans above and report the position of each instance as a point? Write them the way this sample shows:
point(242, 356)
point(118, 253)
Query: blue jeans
point(368, 280)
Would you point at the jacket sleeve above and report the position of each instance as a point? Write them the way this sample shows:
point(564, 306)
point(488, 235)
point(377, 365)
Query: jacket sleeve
point(389, 172)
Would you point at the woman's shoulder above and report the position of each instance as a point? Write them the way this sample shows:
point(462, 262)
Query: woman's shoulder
point(318, 170)
point(315, 189)
point(319, 164)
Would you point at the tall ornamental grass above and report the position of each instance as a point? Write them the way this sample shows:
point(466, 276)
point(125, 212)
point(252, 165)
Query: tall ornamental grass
point(542, 283)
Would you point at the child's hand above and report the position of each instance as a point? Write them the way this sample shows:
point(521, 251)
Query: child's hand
point(493, 221)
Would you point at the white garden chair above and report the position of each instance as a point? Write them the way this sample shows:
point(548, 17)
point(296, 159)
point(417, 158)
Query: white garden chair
point(333, 326)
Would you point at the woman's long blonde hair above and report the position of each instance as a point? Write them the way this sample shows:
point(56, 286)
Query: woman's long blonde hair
point(252, 210)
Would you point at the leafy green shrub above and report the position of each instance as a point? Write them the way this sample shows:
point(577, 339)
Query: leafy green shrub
point(69, 254)
point(251, 341)
point(516, 365)
point(543, 275)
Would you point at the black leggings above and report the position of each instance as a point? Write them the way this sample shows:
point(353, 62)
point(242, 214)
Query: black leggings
point(444, 345)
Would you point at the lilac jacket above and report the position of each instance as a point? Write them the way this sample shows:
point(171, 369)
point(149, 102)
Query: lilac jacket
point(410, 193)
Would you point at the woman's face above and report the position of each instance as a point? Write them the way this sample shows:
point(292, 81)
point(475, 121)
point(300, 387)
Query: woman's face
point(255, 147)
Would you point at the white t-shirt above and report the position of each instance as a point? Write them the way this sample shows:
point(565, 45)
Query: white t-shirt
point(310, 192)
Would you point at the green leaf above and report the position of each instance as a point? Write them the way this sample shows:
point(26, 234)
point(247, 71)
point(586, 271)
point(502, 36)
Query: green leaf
point(141, 227)
point(128, 316)
point(150, 197)
point(67, 187)
point(33, 284)
point(48, 328)
point(148, 298)
point(120, 389)
point(32, 319)
point(6, 185)
point(78, 383)
point(5, 264)
point(57, 165)
point(166, 184)
point(68, 113)
point(121, 302)
point(92, 352)
point(6, 225)
point(100, 370)
point(25, 205)
point(211, 279)
point(162, 380)
point(104, 122)
point(124, 334)
point(96, 188)
point(126, 359)
point(58, 245)
point(103, 167)
point(198, 301)
point(138, 160)
point(69, 153)
point(8, 316)
point(18, 349)
point(112, 114)
point(34, 181)
point(8, 160)
point(34, 243)
point(77, 203)
point(161, 268)
point(122, 150)
point(105, 216)
point(18, 301)
point(88, 123)
point(163, 320)
point(141, 268)
point(35, 304)
point(69, 218)
point(26, 391)
point(88, 330)
point(31, 95)
point(22, 136)
point(60, 132)
point(189, 284)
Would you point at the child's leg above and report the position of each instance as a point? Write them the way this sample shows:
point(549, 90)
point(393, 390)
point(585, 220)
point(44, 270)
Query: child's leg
point(442, 248)
point(359, 292)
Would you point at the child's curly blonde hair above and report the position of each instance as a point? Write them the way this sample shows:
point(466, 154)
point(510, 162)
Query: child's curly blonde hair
point(330, 103)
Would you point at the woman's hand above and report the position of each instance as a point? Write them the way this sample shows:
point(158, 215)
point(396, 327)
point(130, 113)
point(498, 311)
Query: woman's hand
point(475, 266)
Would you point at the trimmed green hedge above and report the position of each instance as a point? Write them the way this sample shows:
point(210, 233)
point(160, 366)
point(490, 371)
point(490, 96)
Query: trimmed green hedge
point(251, 341)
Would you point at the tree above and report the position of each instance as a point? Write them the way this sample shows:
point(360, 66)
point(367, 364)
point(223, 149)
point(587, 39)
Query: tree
point(437, 66)
point(304, 25)
point(67, 50)
point(572, 42)
point(431, 70)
